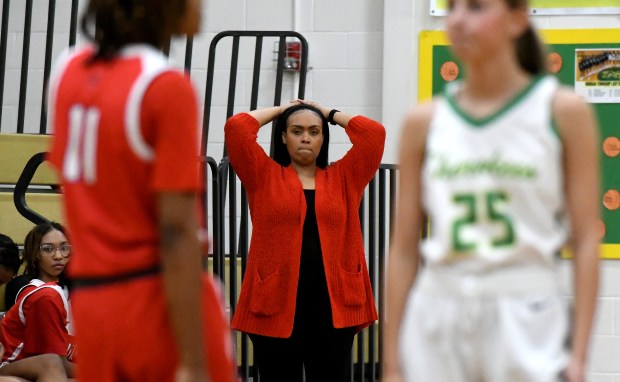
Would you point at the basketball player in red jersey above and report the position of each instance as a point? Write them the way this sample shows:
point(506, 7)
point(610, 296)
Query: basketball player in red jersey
point(126, 146)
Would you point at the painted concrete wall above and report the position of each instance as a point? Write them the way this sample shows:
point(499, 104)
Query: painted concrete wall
point(345, 40)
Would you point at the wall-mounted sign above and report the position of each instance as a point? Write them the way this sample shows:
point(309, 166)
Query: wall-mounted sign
point(597, 74)
point(552, 7)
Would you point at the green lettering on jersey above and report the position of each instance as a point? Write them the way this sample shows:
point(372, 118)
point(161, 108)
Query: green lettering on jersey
point(494, 165)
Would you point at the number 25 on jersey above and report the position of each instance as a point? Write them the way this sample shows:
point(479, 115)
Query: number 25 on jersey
point(473, 215)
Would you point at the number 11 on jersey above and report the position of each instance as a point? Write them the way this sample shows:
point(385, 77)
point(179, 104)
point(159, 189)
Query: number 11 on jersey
point(81, 153)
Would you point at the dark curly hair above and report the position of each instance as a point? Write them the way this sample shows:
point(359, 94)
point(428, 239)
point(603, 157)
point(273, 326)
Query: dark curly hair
point(121, 22)
point(9, 253)
point(32, 244)
point(280, 151)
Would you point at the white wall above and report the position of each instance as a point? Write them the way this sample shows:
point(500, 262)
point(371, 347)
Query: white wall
point(404, 19)
point(345, 41)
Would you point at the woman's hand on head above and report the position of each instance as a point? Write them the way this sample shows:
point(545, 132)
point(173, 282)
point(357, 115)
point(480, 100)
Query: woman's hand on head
point(289, 104)
point(268, 114)
point(324, 110)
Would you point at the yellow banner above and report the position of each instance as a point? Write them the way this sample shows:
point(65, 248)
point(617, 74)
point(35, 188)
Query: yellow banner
point(552, 7)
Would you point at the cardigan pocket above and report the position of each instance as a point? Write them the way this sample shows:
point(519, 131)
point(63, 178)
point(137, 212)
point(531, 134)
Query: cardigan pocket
point(268, 294)
point(352, 286)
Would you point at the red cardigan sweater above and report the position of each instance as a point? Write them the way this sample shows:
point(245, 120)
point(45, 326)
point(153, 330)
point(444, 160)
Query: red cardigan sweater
point(277, 205)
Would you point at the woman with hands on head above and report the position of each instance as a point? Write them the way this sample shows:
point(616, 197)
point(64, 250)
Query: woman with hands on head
point(306, 290)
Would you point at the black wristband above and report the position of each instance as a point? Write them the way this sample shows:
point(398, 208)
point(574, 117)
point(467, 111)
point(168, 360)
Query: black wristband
point(330, 117)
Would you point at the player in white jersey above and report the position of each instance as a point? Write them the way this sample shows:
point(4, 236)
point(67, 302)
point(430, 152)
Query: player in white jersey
point(505, 167)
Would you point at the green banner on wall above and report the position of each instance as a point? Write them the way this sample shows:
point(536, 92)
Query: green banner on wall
point(552, 7)
point(567, 48)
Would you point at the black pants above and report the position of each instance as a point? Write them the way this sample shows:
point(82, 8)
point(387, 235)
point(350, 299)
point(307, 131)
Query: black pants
point(323, 354)
point(314, 346)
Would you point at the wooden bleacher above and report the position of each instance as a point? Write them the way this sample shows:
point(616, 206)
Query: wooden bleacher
point(15, 152)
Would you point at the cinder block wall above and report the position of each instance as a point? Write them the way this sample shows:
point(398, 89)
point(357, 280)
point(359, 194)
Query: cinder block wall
point(604, 363)
point(345, 41)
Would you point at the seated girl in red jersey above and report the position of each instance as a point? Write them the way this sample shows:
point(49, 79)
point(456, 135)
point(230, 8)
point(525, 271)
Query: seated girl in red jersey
point(36, 331)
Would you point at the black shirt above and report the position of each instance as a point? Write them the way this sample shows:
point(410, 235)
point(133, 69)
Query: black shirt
point(313, 303)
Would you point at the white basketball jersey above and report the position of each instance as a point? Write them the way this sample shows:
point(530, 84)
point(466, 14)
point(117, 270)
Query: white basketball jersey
point(493, 187)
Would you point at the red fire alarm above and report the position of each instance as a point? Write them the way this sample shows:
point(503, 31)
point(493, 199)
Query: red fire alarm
point(292, 58)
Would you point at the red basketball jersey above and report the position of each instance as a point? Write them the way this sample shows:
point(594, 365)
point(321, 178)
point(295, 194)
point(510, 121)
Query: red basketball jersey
point(124, 130)
point(38, 323)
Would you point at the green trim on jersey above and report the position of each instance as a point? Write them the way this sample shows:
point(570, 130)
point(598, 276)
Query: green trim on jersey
point(481, 122)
